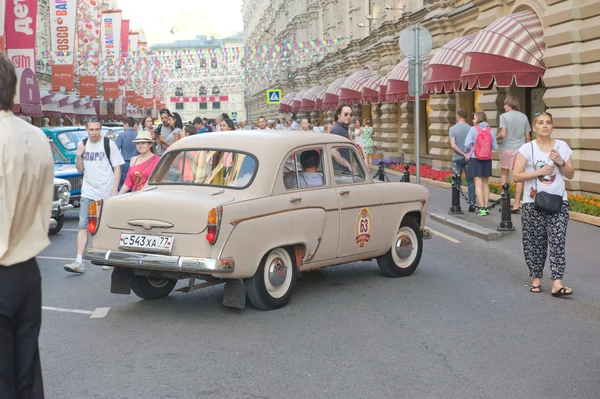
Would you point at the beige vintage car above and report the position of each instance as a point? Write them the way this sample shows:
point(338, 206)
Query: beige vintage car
point(253, 210)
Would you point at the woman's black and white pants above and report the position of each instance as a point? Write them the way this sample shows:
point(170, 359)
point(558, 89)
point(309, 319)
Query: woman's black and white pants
point(541, 231)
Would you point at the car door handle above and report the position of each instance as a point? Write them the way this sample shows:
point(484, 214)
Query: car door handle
point(296, 199)
point(344, 192)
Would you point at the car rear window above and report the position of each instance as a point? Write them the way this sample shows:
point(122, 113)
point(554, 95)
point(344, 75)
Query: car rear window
point(220, 168)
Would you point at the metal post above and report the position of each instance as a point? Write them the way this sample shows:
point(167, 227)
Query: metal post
point(406, 174)
point(381, 172)
point(455, 208)
point(505, 223)
point(417, 105)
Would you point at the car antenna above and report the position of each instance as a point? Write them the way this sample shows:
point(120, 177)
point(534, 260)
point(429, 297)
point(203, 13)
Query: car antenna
point(221, 191)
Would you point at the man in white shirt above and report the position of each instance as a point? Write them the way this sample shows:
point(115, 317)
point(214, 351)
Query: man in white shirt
point(101, 175)
point(262, 123)
point(26, 190)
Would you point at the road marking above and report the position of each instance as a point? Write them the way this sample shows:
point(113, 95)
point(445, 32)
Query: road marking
point(437, 233)
point(53, 258)
point(98, 313)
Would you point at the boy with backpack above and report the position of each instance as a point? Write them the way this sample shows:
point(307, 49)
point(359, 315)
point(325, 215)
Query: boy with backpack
point(100, 162)
point(480, 143)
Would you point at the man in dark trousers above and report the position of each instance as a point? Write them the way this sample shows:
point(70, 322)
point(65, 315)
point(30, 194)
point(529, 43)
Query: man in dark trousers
point(126, 145)
point(26, 190)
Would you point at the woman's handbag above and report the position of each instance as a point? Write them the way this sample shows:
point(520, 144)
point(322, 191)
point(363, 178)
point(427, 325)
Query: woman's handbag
point(545, 202)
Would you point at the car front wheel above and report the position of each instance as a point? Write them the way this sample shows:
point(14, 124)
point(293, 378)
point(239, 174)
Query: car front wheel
point(151, 287)
point(60, 221)
point(407, 247)
point(272, 285)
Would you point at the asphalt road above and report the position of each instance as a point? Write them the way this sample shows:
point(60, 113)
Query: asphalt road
point(463, 326)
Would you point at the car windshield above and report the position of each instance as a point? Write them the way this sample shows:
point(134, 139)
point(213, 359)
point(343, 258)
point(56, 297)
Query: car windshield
point(70, 140)
point(58, 156)
point(206, 168)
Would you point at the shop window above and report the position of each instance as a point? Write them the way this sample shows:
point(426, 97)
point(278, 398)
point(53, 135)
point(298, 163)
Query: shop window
point(216, 105)
point(203, 105)
point(179, 106)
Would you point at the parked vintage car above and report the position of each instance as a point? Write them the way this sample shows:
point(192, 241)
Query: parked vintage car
point(63, 169)
point(237, 208)
point(67, 138)
point(60, 204)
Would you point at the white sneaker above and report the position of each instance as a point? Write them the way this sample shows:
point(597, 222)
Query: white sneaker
point(74, 267)
point(107, 267)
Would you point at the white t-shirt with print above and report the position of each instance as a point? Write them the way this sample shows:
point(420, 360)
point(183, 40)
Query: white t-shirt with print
point(553, 184)
point(98, 176)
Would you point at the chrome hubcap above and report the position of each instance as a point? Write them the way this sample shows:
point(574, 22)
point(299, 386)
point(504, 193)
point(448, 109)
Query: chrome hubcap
point(404, 247)
point(157, 282)
point(278, 271)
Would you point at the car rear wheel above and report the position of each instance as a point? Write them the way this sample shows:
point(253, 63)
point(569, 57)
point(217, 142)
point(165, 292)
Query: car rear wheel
point(405, 254)
point(272, 285)
point(152, 287)
point(60, 221)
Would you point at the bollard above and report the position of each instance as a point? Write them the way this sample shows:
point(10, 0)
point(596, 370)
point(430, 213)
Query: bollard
point(455, 208)
point(381, 172)
point(505, 223)
point(406, 174)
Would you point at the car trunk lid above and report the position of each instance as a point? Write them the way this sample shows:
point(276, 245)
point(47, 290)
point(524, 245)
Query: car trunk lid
point(176, 211)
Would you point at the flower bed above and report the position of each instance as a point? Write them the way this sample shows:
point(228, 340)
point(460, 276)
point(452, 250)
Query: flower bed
point(589, 205)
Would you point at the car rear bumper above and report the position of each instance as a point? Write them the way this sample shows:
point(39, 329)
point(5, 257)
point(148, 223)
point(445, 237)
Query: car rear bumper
point(164, 263)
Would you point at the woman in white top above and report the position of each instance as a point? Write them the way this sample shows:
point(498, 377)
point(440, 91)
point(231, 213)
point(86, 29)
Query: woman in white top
point(543, 164)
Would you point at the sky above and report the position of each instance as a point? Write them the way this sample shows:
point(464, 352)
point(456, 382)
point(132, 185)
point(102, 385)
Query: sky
point(220, 18)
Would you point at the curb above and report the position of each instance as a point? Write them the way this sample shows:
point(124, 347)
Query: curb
point(469, 228)
point(576, 216)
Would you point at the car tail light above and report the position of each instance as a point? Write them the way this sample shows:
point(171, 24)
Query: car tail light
point(212, 224)
point(94, 216)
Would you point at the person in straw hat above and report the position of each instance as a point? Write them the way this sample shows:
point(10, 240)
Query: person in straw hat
point(142, 165)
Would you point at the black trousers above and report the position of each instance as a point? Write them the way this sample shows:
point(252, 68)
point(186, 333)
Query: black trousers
point(20, 322)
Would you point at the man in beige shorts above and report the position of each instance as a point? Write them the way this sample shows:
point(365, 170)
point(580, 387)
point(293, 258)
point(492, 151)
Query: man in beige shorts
point(516, 131)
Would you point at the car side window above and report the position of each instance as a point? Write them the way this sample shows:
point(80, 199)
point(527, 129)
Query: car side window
point(304, 169)
point(347, 168)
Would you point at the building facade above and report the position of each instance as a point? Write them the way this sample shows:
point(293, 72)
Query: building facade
point(556, 67)
point(205, 78)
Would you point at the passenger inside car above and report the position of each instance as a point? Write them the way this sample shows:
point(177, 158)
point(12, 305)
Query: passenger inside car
point(309, 176)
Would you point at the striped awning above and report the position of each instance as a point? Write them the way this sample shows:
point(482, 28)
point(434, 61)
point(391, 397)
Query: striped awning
point(351, 89)
point(50, 107)
point(442, 75)
point(397, 88)
point(309, 99)
point(370, 91)
point(509, 50)
point(297, 102)
point(332, 94)
point(286, 103)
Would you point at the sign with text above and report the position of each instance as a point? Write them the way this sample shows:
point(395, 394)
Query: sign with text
point(63, 77)
point(63, 15)
point(20, 25)
point(88, 86)
point(111, 90)
point(110, 40)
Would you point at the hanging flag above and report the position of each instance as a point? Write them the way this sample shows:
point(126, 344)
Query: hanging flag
point(62, 40)
point(88, 30)
point(2, 18)
point(110, 39)
point(111, 90)
point(20, 48)
point(88, 86)
point(125, 38)
point(133, 43)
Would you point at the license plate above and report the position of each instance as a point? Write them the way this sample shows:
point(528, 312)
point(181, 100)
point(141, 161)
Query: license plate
point(161, 244)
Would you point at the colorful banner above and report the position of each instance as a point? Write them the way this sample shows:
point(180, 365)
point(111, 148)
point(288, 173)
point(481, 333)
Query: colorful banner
point(62, 30)
point(134, 39)
point(88, 86)
point(88, 28)
point(20, 39)
point(125, 38)
point(110, 39)
point(201, 99)
point(63, 77)
point(2, 18)
point(111, 90)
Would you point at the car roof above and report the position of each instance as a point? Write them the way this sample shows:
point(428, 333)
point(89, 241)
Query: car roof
point(261, 143)
point(60, 129)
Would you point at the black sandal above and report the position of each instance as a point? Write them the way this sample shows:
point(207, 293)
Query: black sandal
point(535, 287)
point(562, 292)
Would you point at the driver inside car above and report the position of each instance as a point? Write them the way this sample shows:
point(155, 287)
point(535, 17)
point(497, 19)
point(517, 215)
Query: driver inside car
point(309, 176)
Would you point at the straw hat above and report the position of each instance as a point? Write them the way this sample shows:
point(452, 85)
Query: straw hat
point(143, 136)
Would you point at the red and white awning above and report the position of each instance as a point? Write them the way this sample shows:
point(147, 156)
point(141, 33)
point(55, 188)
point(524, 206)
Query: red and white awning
point(309, 99)
point(285, 106)
point(509, 50)
point(50, 107)
point(332, 94)
point(442, 75)
point(370, 91)
point(397, 88)
point(351, 89)
point(297, 102)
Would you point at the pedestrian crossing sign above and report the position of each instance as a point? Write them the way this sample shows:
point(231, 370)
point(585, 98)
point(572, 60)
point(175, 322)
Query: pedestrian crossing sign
point(273, 96)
